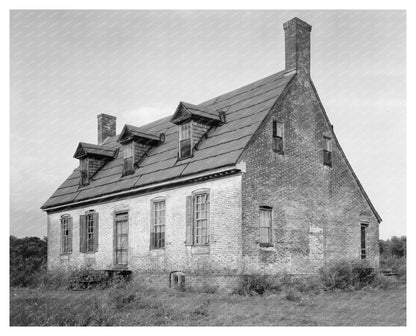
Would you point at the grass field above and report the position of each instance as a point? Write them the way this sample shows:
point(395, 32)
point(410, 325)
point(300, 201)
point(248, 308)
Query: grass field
point(145, 307)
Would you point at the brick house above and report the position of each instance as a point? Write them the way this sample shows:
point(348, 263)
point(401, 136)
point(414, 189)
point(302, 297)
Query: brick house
point(250, 181)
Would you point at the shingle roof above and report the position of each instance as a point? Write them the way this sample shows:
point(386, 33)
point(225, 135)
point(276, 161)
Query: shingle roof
point(246, 108)
point(139, 132)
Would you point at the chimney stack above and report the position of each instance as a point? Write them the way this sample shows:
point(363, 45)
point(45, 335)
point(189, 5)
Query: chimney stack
point(106, 127)
point(298, 46)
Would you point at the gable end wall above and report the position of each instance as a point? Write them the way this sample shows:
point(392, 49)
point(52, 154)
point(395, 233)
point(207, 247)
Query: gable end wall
point(316, 209)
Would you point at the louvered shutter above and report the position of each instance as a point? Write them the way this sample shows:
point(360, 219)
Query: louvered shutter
point(95, 218)
point(70, 234)
point(82, 233)
point(189, 221)
point(152, 225)
point(208, 220)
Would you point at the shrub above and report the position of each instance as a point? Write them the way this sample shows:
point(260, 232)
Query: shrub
point(385, 282)
point(347, 275)
point(253, 284)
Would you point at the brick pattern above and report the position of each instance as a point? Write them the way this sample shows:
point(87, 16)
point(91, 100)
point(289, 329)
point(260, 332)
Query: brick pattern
point(297, 46)
point(222, 257)
point(106, 127)
point(316, 209)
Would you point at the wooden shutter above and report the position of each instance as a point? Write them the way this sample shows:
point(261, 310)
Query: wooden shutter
point(208, 219)
point(152, 225)
point(82, 233)
point(70, 234)
point(114, 239)
point(189, 221)
point(95, 218)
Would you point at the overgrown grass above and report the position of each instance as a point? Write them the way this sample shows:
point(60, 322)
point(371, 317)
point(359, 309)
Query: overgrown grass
point(140, 306)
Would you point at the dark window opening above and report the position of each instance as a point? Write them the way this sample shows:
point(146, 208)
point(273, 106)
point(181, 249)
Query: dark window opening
point(327, 152)
point(84, 172)
point(128, 158)
point(363, 241)
point(66, 237)
point(90, 233)
point(185, 140)
point(277, 137)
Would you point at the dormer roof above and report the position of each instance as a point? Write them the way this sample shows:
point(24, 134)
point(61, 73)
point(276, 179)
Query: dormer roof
point(139, 134)
point(85, 149)
point(187, 111)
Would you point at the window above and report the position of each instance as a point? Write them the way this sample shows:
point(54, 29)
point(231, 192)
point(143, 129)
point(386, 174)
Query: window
point(277, 137)
point(157, 238)
point(363, 241)
point(185, 140)
point(121, 238)
point(266, 226)
point(197, 219)
point(66, 234)
point(128, 158)
point(88, 232)
point(84, 171)
point(327, 151)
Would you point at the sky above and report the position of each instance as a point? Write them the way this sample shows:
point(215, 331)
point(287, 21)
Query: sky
point(66, 67)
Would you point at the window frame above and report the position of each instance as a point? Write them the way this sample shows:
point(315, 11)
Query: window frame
point(327, 151)
point(89, 236)
point(363, 240)
point(128, 158)
point(269, 228)
point(66, 239)
point(277, 137)
point(189, 137)
point(158, 224)
point(201, 224)
point(121, 216)
point(83, 169)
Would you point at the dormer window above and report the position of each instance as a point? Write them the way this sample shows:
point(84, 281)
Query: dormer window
point(185, 140)
point(83, 166)
point(128, 158)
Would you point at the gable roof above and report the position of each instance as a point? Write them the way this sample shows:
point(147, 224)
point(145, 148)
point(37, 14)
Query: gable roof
point(246, 108)
point(85, 149)
point(130, 131)
point(185, 111)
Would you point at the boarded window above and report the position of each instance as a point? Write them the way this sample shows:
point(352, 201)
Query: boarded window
point(327, 152)
point(363, 241)
point(265, 226)
point(185, 140)
point(278, 137)
point(158, 225)
point(128, 158)
point(84, 171)
point(66, 234)
point(121, 238)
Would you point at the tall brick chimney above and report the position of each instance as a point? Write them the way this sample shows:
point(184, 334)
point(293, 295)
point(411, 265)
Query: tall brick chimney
point(106, 127)
point(298, 46)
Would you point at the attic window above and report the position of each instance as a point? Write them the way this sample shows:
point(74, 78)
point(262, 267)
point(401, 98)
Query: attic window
point(128, 158)
point(277, 137)
point(185, 140)
point(84, 171)
point(327, 151)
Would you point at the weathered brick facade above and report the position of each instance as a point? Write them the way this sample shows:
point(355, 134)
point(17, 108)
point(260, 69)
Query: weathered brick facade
point(317, 209)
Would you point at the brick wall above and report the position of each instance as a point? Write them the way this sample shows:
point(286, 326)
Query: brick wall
point(223, 257)
point(316, 209)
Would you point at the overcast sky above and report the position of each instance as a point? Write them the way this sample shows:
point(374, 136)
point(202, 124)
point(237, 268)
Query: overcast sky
point(69, 66)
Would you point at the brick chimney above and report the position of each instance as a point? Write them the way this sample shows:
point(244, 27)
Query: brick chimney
point(106, 127)
point(298, 46)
